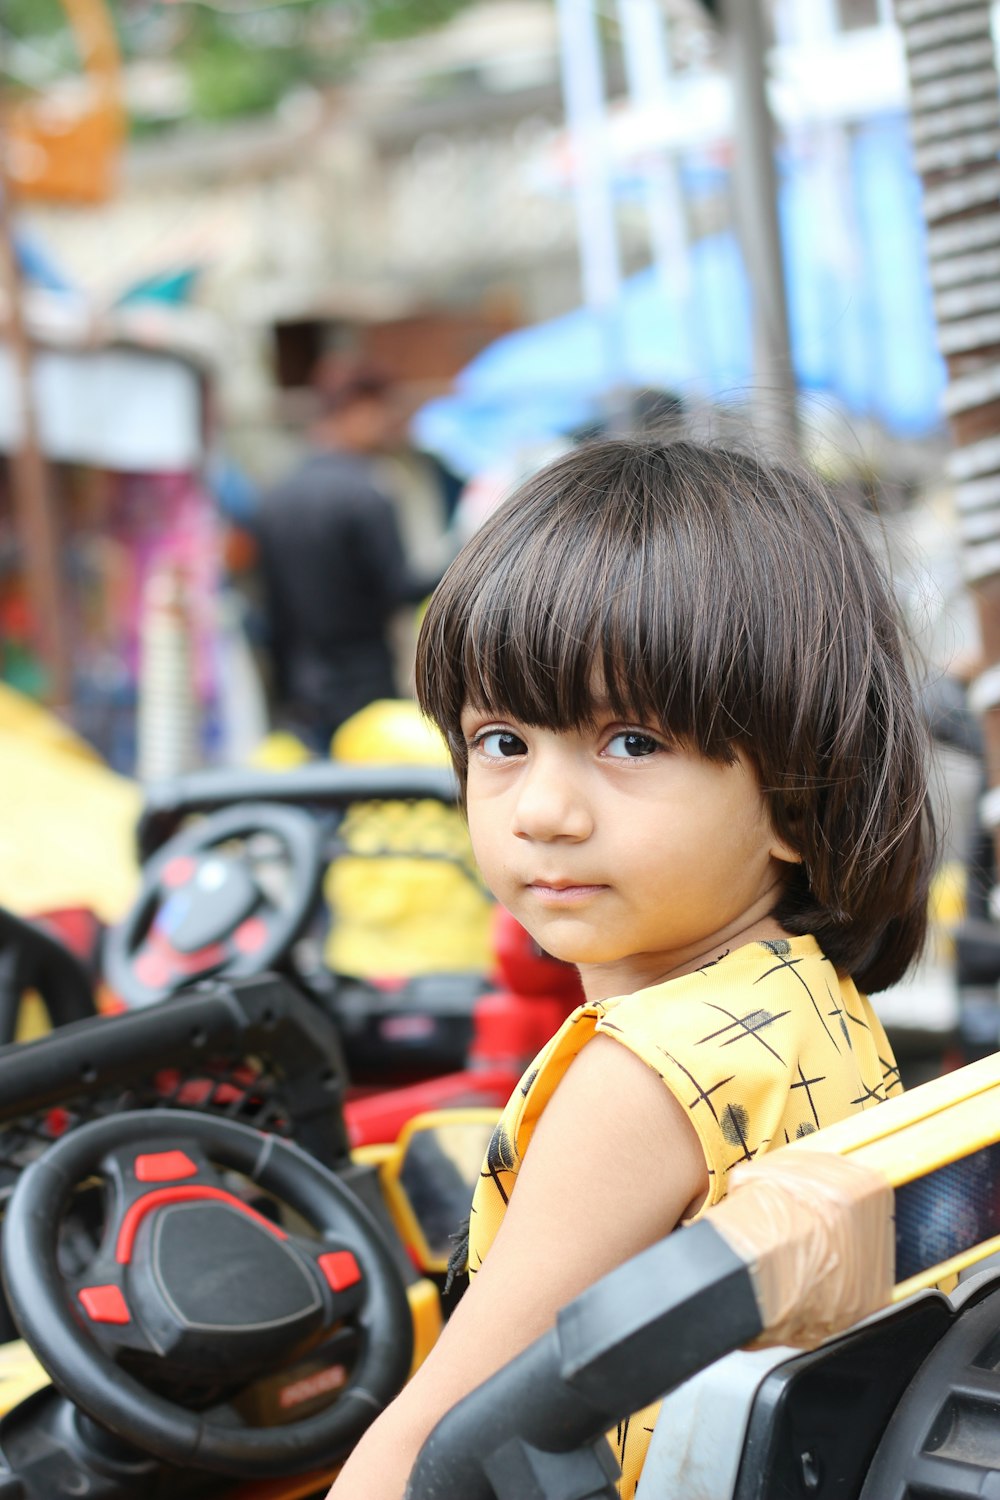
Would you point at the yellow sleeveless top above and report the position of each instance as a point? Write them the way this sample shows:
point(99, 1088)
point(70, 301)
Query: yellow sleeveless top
point(762, 1046)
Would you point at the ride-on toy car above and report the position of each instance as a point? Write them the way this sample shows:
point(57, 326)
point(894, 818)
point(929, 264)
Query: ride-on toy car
point(210, 1300)
point(214, 1286)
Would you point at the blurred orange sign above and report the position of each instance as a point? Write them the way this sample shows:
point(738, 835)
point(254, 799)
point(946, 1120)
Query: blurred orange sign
point(64, 144)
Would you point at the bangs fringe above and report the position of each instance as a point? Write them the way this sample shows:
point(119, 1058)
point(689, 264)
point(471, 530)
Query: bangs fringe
point(577, 618)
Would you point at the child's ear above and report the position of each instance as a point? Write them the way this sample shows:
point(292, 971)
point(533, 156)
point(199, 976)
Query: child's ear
point(782, 848)
point(784, 851)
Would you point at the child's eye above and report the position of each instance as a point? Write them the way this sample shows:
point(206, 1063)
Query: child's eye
point(630, 744)
point(499, 744)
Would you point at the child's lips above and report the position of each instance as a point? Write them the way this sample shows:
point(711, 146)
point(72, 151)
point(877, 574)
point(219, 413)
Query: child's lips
point(563, 892)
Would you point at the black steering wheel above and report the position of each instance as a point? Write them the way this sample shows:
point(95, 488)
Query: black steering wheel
point(194, 1289)
point(231, 893)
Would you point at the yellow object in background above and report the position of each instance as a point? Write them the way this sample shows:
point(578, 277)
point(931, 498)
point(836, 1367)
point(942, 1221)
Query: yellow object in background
point(32, 1018)
point(279, 751)
point(22, 716)
point(67, 837)
point(391, 731)
point(428, 1177)
point(425, 1310)
point(412, 902)
point(21, 1374)
point(946, 906)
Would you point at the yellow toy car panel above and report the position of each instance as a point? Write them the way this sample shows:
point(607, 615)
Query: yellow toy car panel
point(68, 833)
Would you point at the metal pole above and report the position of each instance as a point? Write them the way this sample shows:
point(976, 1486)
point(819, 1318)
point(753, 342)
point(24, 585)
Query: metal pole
point(756, 189)
point(593, 188)
point(648, 76)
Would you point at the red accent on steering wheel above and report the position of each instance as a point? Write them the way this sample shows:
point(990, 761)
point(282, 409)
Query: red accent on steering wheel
point(154, 968)
point(104, 1304)
point(340, 1269)
point(164, 1166)
point(251, 935)
point(202, 958)
point(144, 1205)
point(179, 871)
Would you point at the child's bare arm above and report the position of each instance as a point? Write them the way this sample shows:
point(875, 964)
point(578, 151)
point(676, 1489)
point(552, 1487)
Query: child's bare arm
point(613, 1166)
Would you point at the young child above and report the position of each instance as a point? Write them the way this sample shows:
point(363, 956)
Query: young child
point(675, 693)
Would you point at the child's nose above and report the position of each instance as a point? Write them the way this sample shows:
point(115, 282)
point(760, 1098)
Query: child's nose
point(551, 804)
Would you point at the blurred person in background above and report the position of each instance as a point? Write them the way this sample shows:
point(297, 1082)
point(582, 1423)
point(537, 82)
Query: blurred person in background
point(332, 559)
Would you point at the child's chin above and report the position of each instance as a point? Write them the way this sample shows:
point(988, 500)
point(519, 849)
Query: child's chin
point(564, 936)
point(579, 954)
point(564, 949)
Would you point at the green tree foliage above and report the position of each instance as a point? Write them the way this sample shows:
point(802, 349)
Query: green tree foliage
point(33, 17)
point(240, 57)
point(34, 41)
point(394, 19)
point(234, 70)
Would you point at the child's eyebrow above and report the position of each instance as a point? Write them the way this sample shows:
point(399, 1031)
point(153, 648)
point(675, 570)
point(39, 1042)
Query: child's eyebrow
point(603, 708)
point(474, 712)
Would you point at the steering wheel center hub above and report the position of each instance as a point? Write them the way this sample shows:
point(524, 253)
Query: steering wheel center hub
point(219, 896)
point(219, 1292)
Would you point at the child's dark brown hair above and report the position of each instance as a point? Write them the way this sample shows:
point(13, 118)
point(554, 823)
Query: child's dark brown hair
point(735, 604)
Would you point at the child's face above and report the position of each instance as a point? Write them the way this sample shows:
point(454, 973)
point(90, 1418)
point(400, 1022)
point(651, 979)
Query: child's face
point(630, 859)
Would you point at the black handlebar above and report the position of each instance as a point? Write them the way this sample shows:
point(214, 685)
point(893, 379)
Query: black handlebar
point(534, 1430)
point(262, 1015)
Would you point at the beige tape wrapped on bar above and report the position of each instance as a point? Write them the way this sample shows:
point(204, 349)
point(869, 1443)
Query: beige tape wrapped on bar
point(817, 1232)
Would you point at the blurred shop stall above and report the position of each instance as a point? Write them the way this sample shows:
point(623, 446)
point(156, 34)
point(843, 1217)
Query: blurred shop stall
point(103, 431)
point(120, 402)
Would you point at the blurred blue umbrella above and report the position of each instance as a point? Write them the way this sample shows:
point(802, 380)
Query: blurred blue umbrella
point(861, 333)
